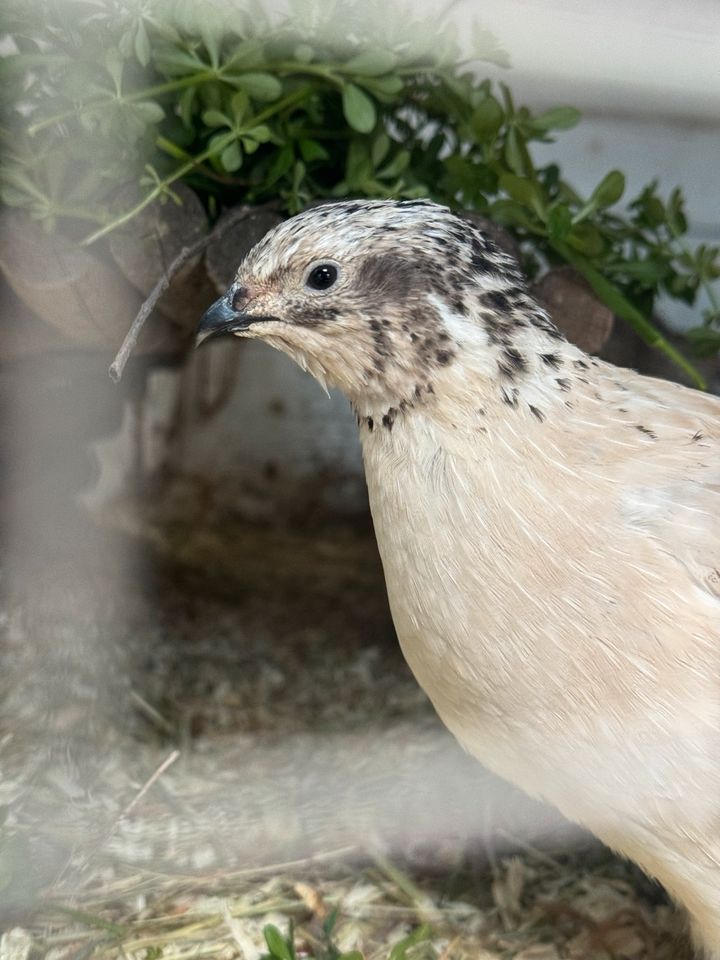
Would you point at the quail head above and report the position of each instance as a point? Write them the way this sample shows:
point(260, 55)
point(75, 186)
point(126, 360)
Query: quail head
point(549, 525)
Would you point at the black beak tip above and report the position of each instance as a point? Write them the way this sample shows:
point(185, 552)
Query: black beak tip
point(218, 318)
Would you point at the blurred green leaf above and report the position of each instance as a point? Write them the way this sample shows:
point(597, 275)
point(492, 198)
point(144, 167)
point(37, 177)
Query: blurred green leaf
point(261, 133)
point(559, 118)
point(115, 64)
point(609, 190)
point(186, 105)
point(279, 947)
point(510, 213)
point(559, 221)
point(142, 44)
point(149, 111)
point(281, 164)
point(487, 119)
point(676, 213)
point(214, 118)
point(218, 143)
point(396, 166)
point(516, 153)
point(705, 341)
point(371, 63)
point(587, 239)
point(239, 104)
point(312, 150)
point(259, 86)
point(358, 108)
point(519, 188)
point(622, 307)
point(386, 86)
point(400, 950)
point(176, 62)
point(380, 148)
point(304, 53)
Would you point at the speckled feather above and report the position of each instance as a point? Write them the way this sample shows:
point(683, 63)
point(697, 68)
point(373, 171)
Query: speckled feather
point(548, 524)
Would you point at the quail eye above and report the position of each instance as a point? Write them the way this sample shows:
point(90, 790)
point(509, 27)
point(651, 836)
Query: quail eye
point(322, 277)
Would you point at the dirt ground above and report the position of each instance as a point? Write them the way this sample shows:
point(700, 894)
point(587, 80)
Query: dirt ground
point(206, 726)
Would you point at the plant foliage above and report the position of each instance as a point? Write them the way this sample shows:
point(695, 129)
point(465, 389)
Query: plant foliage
point(415, 946)
point(101, 96)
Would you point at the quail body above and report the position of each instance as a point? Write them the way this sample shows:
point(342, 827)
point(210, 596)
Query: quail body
point(548, 523)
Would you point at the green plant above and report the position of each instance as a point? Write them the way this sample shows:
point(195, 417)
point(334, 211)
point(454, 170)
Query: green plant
point(283, 948)
point(103, 101)
point(415, 946)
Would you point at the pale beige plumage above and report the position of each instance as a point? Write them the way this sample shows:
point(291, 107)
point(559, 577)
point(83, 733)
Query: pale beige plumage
point(548, 524)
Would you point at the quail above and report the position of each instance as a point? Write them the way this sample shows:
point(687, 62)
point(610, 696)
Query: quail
point(548, 524)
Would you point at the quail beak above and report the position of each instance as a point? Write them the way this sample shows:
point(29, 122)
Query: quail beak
point(222, 317)
point(229, 314)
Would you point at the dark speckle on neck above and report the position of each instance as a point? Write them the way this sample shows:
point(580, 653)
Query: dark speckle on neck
point(511, 363)
point(388, 420)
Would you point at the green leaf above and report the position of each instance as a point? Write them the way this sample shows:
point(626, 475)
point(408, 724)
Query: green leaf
point(609, 190)
point(372, 63)
point(142, 44)
point(126, 44)
point(648, 271)
point(704, 341)
point(149, 111)
point(218, 143)
point(260, 86)
point(380, 148)
point(559, 221)
point(231, 158)
point(620, 305)
point(303, 53)
point(400, 950)
point(210, 33)
point(239, 104)
point(177, 63)
point(261, 133)
point(186, 104)
point(648, 209)
point(511, 213)
point(281, 164)
point(559, 118)
point(676, 213)
point(487, 118)
point(519, 188)
point(277, 944)
point(684, 287)
point(312, 150)
point(516, 154)
point(358, 108)
point(358, 165)
point(114, 63)
point(485, 46)
point(396, 166)
point(214, 118)
point(247, 55)
point(587, 239)
point(13, 197)
point(386, 87)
